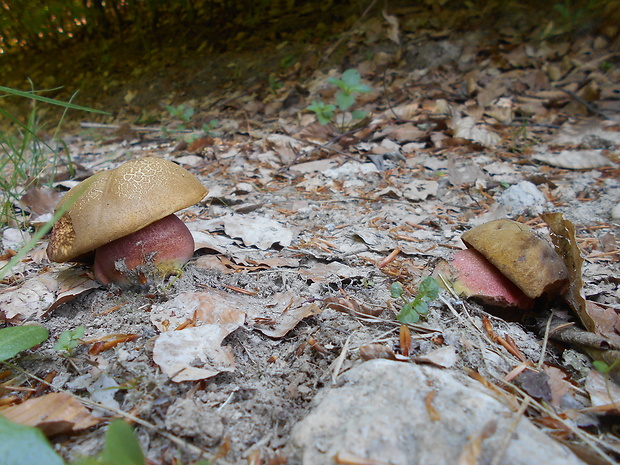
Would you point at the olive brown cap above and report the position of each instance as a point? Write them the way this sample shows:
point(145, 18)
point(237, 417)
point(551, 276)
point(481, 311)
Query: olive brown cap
point(114, 203)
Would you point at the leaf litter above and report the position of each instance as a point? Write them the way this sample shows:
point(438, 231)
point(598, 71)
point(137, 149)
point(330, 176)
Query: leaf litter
point(290, 286)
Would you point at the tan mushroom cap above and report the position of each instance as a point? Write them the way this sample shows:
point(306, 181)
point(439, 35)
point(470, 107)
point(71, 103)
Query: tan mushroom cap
point(529, 261)
point(112, 204)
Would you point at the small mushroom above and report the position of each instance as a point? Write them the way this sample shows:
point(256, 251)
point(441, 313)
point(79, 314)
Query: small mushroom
point(127, 216)
point(526, 259)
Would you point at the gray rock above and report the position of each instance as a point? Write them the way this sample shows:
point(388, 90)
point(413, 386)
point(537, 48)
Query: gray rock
point(378, 412)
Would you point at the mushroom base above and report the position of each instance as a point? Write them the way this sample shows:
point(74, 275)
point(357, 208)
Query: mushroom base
point(159, 249)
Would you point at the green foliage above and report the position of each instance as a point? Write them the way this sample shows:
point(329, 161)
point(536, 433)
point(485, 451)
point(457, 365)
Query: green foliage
point(182, 112)
point(24, 445)
point(350, 86)
point(413, 310)
point(69, 340)
point(324, 112)
point(16, 339)
point(120, 447)
point(209, 127)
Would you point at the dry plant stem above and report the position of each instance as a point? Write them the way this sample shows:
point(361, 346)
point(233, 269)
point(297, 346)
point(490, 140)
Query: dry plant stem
point(543, 350)
point(180, 442)
point(340, 360)
point(588, 439)
point(114, 127)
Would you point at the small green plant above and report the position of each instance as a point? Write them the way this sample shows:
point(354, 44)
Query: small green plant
point(69, 340)
point(324, 111)
point(210, 126)
point(413, 310)
point(274, 85)
point(182, 112)
point(350, 86)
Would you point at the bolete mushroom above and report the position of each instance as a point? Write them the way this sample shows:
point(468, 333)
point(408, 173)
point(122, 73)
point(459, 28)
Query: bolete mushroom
point(126, 217)
point(506, 265)
point(526, 259)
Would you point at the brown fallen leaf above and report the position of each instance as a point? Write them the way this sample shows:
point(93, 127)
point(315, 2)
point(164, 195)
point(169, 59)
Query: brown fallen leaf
point(54, 413)
point(594, 318)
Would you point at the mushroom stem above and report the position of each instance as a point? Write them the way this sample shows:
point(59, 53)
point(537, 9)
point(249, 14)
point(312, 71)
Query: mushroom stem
point(159, 249)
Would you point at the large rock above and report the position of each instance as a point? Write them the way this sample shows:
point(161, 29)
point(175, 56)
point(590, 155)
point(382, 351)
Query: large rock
point(379, 412)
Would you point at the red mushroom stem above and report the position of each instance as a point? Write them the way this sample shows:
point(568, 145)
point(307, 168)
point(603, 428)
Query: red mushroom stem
point(161, 248)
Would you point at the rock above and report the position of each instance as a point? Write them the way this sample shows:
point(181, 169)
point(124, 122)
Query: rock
point(615, 212)
point(188, 418)
point(379, 413)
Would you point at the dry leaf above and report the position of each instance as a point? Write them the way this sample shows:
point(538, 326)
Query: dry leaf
point(194, 353)
point(444, 357)
point(467, 128)
point(393, 30)
point(258, 231)
point(213, 307)
point(288, 319)
point(563, 237)
point(55, 413)
point(574, 159)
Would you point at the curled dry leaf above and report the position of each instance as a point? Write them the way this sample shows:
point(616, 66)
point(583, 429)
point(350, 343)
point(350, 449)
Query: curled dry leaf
point(54, 413)
point(348, 305)
point(565, 242)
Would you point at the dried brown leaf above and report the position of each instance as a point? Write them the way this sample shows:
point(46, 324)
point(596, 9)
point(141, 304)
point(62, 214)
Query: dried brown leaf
point(54, 413)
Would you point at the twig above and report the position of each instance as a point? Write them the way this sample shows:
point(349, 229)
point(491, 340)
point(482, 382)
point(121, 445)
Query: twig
point(593, 108)
point(544, 345)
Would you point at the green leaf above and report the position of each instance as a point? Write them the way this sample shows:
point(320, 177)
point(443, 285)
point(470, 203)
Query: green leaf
point(344, 100)
point(408, 314)
point(420, 307)
point(396, 290)
point(361, 88)
point(324, 112)
point(351, 77)
point(428, 290)
point(16, 339)
point(338, 82)
point(69, 340)
point(601, 366)
point(359, 114)
point(121, 446)
point(24, 445)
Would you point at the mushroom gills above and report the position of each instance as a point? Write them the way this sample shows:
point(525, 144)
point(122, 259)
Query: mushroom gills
point(155, 251)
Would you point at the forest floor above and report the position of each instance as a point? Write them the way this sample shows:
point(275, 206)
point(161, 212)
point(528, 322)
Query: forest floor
point(307, 226)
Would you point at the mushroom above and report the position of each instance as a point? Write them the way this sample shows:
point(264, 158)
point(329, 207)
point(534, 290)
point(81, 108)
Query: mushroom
point(126, 216)
point(528, 260)
point(506, 265)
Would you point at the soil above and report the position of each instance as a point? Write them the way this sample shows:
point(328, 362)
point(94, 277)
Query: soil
point(344, 199)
